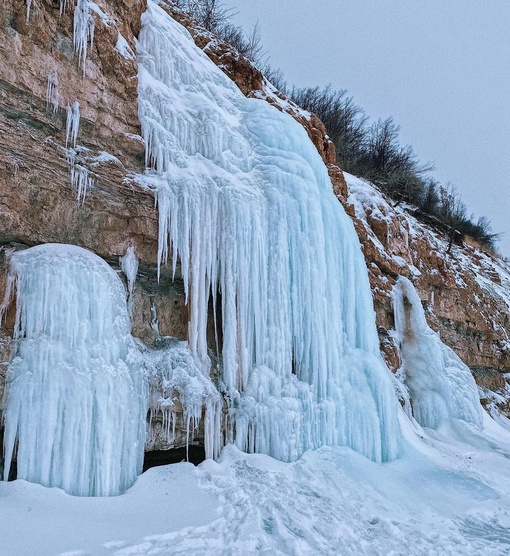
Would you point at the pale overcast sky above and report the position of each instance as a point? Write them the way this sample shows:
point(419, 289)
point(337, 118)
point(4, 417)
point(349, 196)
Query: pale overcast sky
point(441, 68)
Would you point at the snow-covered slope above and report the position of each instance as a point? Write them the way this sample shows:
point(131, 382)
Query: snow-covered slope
point(447, 494)
point(464, 290)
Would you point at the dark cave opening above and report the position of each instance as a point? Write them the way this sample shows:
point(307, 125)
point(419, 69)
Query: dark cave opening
point(193, 454)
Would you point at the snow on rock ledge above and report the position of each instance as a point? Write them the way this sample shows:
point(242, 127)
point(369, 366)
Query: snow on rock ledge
point(466, 291)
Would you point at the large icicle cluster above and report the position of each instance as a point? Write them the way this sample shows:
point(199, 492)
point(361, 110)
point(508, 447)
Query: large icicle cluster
point(440, 384)
point(177, 384)
point(83, 30)
point(246, 205)
point(75, 403)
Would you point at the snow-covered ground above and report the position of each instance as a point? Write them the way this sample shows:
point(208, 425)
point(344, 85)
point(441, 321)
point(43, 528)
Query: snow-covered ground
point(448, 493)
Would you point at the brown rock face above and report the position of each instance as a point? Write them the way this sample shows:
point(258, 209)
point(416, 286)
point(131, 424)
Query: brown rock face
point(464, 291)
point(37, 203)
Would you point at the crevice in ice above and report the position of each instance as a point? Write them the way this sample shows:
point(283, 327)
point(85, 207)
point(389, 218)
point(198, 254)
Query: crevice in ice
point(72, 123)
point(75, 399)
point(129, 265)
point(53, 96)
point(441, 386)
point(246, 206)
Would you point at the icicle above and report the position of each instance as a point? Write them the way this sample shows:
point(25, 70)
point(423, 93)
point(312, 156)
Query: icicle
point(75, 401)
point(155, 321)
point(64, 5)
point(73, 123)
point(52, 93)
point(81, 181)
point(129, 266)
point(440, 384)
point(29, 4)
point(83, 31)
point(245, 203)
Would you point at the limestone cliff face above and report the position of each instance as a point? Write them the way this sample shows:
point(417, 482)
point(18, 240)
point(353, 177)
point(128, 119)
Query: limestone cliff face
point(466, 291)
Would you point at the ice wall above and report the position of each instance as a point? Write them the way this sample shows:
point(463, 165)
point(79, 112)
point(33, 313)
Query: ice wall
point(246, 204)
point(75, 404)
point(440, 384)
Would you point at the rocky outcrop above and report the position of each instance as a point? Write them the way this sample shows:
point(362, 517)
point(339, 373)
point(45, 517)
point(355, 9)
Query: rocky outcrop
point(37, 202)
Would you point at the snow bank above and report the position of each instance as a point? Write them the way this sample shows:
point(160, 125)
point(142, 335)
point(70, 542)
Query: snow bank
point(454, 499)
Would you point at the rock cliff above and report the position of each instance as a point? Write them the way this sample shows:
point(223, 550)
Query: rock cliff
point(466, 292)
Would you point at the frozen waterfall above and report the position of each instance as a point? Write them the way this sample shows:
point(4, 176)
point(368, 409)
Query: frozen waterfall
point(75, 402)
point(440, 384)
point(246, 206)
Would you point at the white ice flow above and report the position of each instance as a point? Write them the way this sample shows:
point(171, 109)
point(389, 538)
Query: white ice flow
point(75, 403)
point(441, 385)
point(246, 205)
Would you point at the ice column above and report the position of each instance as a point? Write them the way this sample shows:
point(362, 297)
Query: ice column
point(440, 384)
point(83, 30)
point(29, 6)
point(52, 93)
point(246, 206)
point(81, 180)
point(72, 123)
point(75, 403)
point(129, 266)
